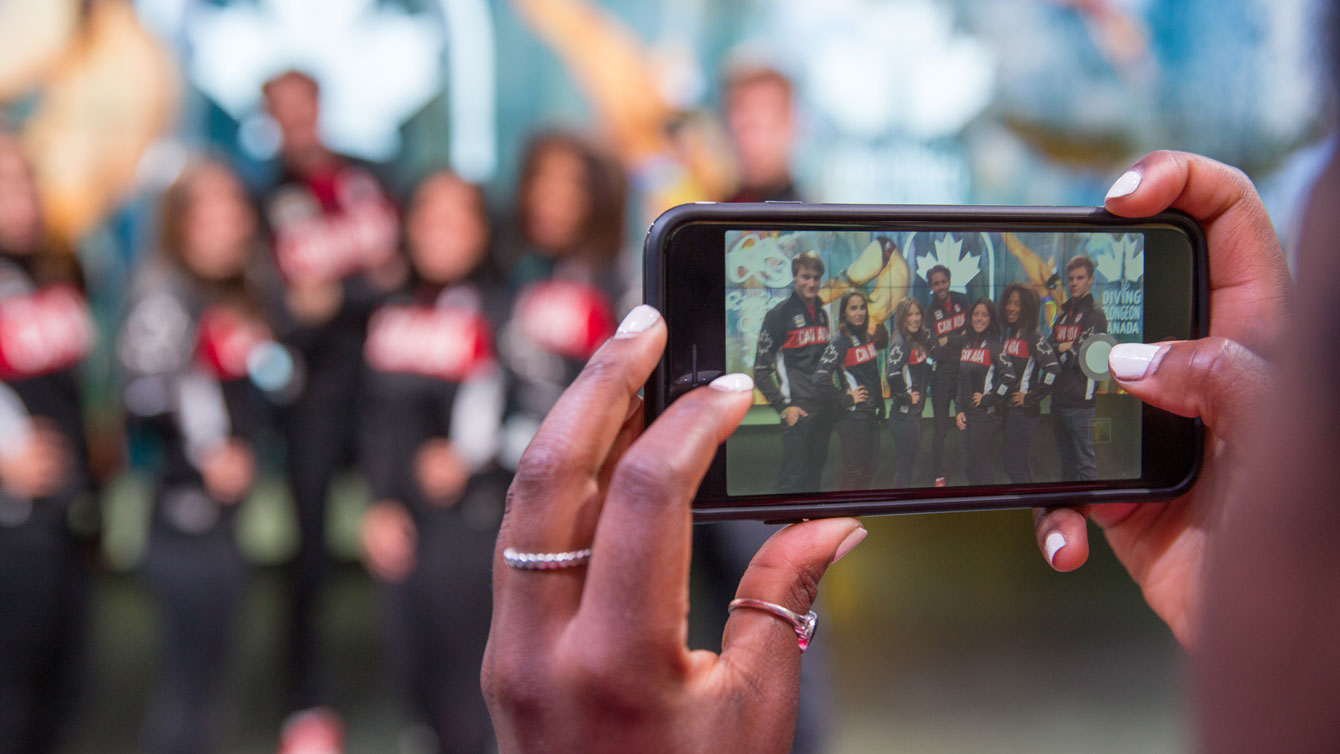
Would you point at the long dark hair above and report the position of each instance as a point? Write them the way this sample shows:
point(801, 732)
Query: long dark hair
point(922, 337)
point(1029, 306)
point(842, 313)
point(992, 327)
point(606, 187)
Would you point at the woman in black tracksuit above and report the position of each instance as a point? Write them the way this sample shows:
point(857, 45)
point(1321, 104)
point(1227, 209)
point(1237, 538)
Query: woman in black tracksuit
point(985, 378)
point(909, 372)
point(849, 370)
point(433, 410)
point(1036, 368)
point(193, 328)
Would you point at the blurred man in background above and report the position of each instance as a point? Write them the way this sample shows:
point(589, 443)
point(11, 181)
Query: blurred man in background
point(761, 121)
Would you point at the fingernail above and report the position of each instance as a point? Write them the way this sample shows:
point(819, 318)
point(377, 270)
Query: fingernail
point(1125, 185)
point(850, 543)
point(732, 383)
point(1052, 545)
point(1133, 361)
point(637, 321)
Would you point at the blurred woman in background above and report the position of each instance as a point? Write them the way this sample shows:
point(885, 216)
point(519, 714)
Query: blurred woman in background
point(192, 337)
point(434, 401)
point(909, 372)
point(45, 331)
point(565, 276)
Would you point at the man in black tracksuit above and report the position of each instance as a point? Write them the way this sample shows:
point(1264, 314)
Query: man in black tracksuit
point(1073, 400)
point(791, 344)
point(948, 322)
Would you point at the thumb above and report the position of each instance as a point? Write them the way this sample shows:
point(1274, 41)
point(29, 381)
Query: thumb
point(785, 571)
point(1216, 379)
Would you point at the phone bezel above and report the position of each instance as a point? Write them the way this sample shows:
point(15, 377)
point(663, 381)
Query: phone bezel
point(1172, 446)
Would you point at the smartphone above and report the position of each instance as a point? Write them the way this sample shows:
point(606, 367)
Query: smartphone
point(926, 358)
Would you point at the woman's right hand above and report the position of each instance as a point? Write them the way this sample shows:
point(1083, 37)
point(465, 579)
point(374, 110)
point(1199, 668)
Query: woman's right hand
point(858, 395)
point(1162, 545)
point(961, 420)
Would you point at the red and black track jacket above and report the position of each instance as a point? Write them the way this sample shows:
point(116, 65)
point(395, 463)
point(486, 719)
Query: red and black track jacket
point(1036, 366)
point(983, 368)
point(854, 361)
point(1078, 320)
point(790, 345)
point(948, 318)
point(909, 370)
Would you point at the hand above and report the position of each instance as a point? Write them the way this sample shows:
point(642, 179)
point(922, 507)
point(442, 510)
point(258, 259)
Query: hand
point(944, 340)
point(961, 420)
point(1162, 544)
point(39, 466)
point(389, 539)
point(1063, 347)
point(916, 397)
point(228, 470)
point(793, 414)
point(859, 395)
point(441, 474)
point(314, 303)
point(593, 658)
point(976, 399)
point(1017, 398)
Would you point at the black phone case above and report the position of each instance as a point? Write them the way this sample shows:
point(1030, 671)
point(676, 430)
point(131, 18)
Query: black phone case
point(780, 508)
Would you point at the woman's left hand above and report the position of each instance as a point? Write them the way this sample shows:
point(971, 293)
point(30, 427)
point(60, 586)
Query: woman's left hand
point(593, 658)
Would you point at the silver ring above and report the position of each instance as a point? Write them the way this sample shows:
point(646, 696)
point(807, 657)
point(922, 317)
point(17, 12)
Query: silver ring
point(804, 624)
point(545, 561)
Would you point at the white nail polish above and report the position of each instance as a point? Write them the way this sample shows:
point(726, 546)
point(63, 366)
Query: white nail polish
point(637, 321)
point(732, 383)
point(1125, 185)
point(1132, 361)
point(1054, 542)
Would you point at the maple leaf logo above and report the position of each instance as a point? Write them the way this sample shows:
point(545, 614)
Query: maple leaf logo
point(949, 252)
point(377, 64)
point(1123, 259)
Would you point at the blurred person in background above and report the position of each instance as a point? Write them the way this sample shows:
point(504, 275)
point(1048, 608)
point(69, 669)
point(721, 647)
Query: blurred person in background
point(434, 402)
point(760, 120)
point(1036, 367)
point(335, 236)
point(985, 378)
point(194, 327)
point(565, 274)
point(909, 374)
point(45, 331)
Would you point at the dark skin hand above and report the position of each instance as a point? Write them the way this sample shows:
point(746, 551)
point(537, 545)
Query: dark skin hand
point(593, 658)
point(1162, 545)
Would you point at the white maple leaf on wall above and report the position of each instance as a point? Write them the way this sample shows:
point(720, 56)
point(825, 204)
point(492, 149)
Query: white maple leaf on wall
point(1119, 258)
point(949, 252)
point(1133, 255)
point(377, 64)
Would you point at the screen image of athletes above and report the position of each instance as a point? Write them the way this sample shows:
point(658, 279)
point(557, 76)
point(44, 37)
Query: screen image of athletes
point(900, 359)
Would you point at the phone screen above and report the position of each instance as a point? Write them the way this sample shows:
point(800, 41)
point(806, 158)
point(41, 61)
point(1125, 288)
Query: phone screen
point(897, 359)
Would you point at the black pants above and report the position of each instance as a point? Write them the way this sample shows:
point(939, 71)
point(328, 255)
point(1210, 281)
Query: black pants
point(859, 434)
point(437, 621)
point(320, 431)
point(43, 601)
point(1073, 430)
point(944, 384)
point(906, 443)
point(979, 463)
point(1018, 443)
point(805, 451)
point(198, 581)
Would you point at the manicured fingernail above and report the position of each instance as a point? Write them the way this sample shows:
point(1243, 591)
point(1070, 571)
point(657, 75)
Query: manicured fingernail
point(1052, 545)
point(849, 544)
point(637, 321)
point(1134, 361)
point(732, 383)
point(1125, 185)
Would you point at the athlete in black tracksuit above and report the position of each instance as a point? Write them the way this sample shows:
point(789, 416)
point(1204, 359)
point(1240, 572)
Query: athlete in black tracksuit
point(311, 217)
point(909, 371)
point(43, 581)
point(188, 391)
point(1035, 363)
point(853, 358)
point(791, 344)
point(432, 377)
point(985, 378)
point(948, 323)
point(1073, 399)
